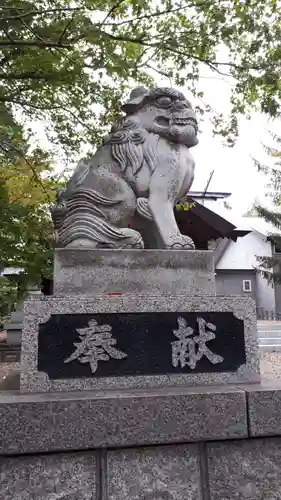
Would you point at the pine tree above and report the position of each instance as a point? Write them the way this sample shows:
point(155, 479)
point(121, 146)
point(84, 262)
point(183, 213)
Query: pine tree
point(270, 267)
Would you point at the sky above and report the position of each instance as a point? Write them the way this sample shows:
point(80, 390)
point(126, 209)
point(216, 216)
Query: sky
point(234, 169)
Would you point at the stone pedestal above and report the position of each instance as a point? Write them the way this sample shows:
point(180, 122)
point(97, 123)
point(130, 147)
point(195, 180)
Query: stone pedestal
point(155, 444)
point(144, 319)
point(89, 272)
point(127, 373)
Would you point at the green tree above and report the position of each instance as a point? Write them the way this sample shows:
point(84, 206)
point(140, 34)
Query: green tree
point(8, 297)
point(270, 267)
point(26, 242)
point(68, 64)
point(27, 187)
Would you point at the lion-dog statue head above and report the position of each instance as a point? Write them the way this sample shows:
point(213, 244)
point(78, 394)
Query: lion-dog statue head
point(166, 112)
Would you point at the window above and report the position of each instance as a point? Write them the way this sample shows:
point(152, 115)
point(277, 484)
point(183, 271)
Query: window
point(247, 286)
point(277, 248)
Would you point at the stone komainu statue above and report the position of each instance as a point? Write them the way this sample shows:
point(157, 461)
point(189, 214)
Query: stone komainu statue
point(143, 167)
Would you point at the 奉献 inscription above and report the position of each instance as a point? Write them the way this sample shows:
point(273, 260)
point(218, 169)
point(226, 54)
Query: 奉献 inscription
point(133, 344)
point(188, 350)
point(95, 345)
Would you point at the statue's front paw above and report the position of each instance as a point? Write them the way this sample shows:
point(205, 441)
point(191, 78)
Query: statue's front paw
point(181, 242)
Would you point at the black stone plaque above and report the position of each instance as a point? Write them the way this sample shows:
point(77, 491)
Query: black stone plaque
point(123, 344)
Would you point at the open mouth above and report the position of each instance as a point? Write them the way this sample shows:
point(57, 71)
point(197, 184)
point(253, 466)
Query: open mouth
point(185, 121)
point(178, 121)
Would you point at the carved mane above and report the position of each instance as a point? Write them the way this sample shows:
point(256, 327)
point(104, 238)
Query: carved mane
point(130, 146)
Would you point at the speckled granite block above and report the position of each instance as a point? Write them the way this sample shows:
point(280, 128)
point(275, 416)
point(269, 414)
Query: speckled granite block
point(133, 271)
point(162, 473)
point(69, 477)
point(264, 408)
point(38, 310)
point(33, 423)
point(245, 470)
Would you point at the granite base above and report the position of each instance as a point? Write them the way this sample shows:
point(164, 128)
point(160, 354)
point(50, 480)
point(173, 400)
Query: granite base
point(88, 272)
point(168, 473)
point(246, 470)
point(38, 423)
point(70, 476)
point(161, 444)
point(39, 310)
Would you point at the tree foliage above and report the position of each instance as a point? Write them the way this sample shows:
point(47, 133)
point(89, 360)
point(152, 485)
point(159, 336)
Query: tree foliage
point(270, 267)
point(68, 64)
point(8, 297)
point(26, 233)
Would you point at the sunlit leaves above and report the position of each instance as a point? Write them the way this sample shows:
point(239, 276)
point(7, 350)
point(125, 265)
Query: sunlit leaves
point(58, 78)
point(26, 233)
point(27, 187)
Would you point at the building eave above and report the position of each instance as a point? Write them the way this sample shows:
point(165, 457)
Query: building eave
point(210, 195)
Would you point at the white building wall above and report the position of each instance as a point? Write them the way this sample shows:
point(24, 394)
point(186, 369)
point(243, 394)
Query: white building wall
point(241, 255)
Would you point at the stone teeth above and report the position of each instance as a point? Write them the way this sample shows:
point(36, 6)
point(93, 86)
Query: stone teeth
point(187, 121)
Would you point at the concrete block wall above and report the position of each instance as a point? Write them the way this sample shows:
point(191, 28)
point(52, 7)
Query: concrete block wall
point(209, 443)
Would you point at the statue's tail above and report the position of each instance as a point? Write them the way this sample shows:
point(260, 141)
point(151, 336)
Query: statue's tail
point(80, 222)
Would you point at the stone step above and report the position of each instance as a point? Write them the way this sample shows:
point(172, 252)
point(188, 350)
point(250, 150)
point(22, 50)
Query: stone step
point(270, 348)
point(270, 341)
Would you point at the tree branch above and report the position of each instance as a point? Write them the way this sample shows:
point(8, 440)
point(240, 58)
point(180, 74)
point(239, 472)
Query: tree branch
point(111, 11)
point(7, 35)
point(10, 147)
point(38, 12)
point(141, 56)
point(209, 62)
point(166, 75)
point(66, 28)
point(22, 103)
point(164, 12)
point(28, 75)
point(146, 16)
point(33, 43)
